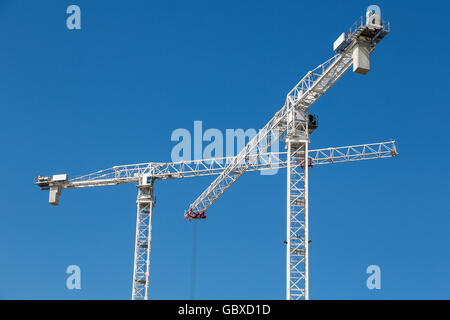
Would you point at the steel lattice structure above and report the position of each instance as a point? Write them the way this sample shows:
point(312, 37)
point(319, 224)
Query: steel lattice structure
point(292, 124)
point(146, 174)
point(145, 203)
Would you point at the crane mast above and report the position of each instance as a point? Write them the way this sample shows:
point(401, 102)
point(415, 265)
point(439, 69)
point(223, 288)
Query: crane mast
point(141, 267)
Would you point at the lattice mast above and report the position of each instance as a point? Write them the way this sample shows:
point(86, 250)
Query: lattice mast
point(141, 267)
point(297, 141)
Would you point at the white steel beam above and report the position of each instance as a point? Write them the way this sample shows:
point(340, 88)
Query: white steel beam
point(210, 167)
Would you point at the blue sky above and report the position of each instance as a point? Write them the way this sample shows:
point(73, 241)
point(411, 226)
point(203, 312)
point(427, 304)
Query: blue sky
point(112, 93)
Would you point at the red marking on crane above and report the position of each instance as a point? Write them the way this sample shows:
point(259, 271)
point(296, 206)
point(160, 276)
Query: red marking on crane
point(192, 215)
point(302, 163)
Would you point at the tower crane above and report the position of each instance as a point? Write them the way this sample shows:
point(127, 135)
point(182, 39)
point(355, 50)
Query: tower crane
point(294, 124)
point(144, 175)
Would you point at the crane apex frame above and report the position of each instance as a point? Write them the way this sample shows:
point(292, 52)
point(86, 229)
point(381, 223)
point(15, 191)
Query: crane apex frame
point(292, 123)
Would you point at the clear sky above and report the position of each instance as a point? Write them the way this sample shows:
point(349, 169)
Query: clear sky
point(77, 101)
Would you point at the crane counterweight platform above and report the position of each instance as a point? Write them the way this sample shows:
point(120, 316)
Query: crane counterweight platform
point(292, 124)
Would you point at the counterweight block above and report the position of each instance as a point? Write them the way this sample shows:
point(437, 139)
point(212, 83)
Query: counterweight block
point(361, 57)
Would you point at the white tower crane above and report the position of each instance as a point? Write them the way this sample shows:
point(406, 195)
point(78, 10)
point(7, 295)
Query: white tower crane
point(293, 123)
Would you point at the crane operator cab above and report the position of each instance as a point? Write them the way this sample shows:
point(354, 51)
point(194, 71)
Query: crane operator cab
point(302, 117)
point(313, 122)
